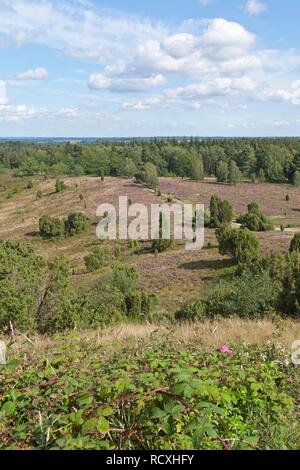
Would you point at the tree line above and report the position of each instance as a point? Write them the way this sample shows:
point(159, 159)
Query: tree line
point(229, 160)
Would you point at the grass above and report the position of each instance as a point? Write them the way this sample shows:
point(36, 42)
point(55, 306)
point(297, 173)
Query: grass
point(210, 334)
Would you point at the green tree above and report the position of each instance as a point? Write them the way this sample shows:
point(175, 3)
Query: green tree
point(234, 174)
point(240, 244)
point(39, 195)
point(222, 172)
point(296, 178)
point(57, 311)
point(197, 170)
point(295, 243)
point(161, 244)
point(97, 259)
point(22, 275)
point(51, 227)
point(214, 212)
point(76, 223)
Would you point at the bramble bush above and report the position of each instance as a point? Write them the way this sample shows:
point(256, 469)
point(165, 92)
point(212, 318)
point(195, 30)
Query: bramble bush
point(80, 395)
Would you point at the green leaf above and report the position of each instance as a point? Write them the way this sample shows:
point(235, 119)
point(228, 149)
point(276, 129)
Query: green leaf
point(89, 425)
point(84, 399)
point(102, 425)
point(13, 364)
point(157, 413)
point(8, 408)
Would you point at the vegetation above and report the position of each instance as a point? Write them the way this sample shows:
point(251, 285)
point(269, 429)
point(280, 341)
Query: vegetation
point(78, 386)
point(80, 393)
point(51, 227)
point(240, 244)
point(39, 297)
point(255, 220)
point(221, 212)
point(295, 243)
point(274, 160)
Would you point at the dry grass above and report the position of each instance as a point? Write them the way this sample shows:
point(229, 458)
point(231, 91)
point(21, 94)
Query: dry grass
point(174, 275)
point(211, 334)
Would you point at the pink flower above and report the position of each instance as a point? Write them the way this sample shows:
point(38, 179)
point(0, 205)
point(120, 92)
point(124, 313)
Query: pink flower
point(226, 350)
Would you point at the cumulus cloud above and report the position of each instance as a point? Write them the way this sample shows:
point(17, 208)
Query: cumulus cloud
point(289, 95)
point(35, 74)
point(255, 7)
point(211, 89)
point(222, 46)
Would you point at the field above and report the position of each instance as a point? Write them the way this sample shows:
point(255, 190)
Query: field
point(178, 272)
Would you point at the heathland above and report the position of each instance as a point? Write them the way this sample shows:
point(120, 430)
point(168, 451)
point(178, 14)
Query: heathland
point(141, 344)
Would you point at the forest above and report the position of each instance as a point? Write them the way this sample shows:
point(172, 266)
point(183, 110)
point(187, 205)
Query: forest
point(230, 160)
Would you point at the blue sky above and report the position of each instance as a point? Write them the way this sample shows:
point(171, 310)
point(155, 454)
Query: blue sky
point(149, 67)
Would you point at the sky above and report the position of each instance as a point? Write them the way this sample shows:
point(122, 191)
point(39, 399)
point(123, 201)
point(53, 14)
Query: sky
point(109, 68)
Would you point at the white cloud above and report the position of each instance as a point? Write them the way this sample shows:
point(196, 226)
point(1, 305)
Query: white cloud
point(289, 95)
point(222, 47)
point(255, 7)
point(81, 30)
point(125, 84)
point(36, 74)
point(214, 88)
point(281, 123)
point(3, 99)
point(10, 113)
point(141, 105)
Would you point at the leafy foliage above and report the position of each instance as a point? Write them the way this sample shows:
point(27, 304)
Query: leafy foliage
point(221, 212)
point(255, 220)
point(240, 244)
point(80, 395)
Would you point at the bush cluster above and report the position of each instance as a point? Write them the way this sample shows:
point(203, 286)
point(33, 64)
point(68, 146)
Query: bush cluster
point(75, 223)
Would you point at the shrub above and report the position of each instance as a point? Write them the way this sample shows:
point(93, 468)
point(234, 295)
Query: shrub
point(295, 243)
point(76, 223)
point(148, 176)
point(221, 212)
point(57, 228)
point(51, 227)
point(57, 311)
point(160, 244)
point(255, 220)
point(191, 311)
point(289, 299)
point(250, 295)
point(60, 186)
point(39, 195)
point(240, 244)
point(97, 259)
point(22, 274)
point(125, 279)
